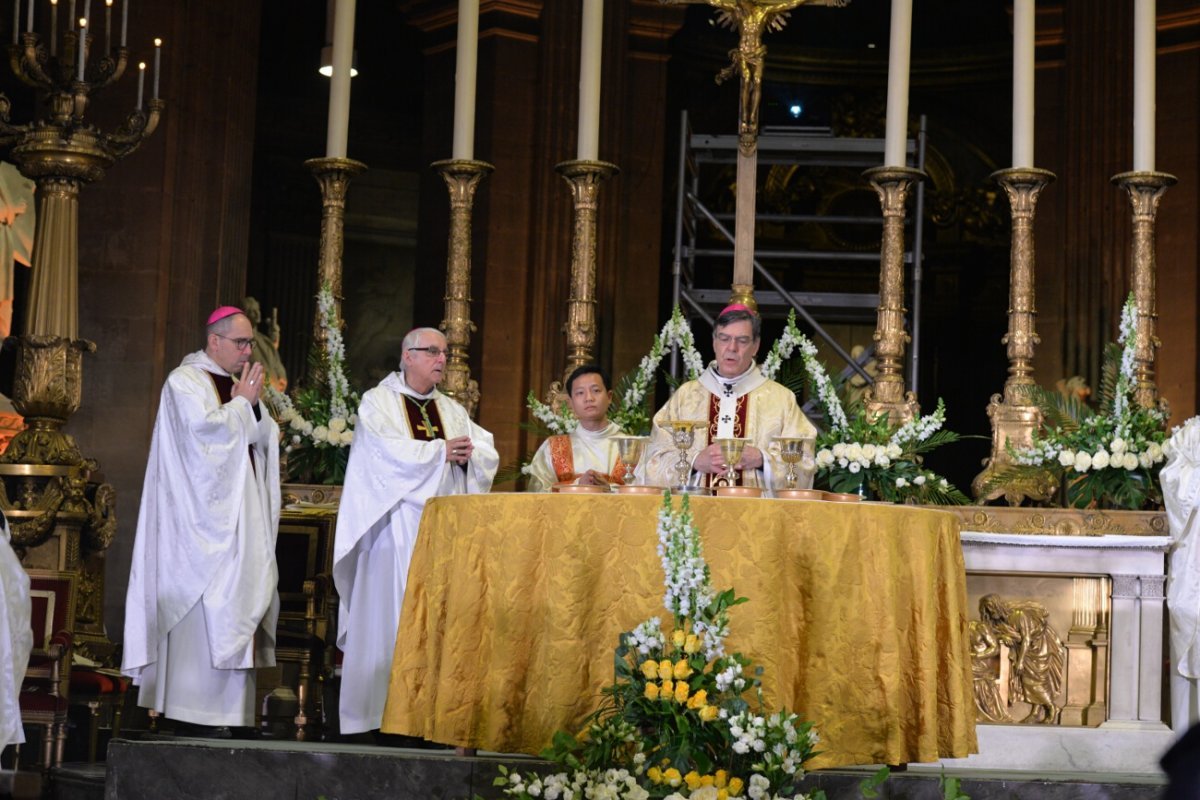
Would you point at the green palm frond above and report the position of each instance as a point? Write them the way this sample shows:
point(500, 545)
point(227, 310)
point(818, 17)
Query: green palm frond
point(1059, 411)
point(1109, 374)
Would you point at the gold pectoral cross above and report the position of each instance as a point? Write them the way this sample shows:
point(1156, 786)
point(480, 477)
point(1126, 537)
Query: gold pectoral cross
point(427, 427)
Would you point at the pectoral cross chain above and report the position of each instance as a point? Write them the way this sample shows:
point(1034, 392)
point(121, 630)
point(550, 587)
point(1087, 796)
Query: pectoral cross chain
point(427, 427)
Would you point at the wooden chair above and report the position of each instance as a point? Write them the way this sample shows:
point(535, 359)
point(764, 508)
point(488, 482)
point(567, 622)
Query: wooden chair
point(46, 689)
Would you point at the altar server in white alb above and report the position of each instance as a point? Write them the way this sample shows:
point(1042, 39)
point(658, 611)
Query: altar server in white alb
point(1181, 495)
point(411, 443)
point(16, 638)
point(202, 604)
point(588, 455)
point(737, 401)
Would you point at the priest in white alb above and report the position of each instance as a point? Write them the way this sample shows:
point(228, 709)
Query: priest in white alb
point(16, 638)
point(587, 455)
point(411, 443)
point(202, 602)
point(736, 400)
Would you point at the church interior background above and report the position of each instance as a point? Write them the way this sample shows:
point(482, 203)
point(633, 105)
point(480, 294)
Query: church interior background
point(218, 204)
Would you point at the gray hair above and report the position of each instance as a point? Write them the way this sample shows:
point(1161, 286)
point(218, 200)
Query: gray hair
point(740, 315)
point(412, 338)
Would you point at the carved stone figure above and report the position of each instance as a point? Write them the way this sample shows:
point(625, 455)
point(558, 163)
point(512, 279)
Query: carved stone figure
point(266, 344)
point(1036, 654)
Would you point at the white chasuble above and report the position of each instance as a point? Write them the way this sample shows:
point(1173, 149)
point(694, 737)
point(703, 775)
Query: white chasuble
point(204, 551)
point(1181, 495)
point(748, 406)
point(562, 459)
point(16, 639)
point(393, 471)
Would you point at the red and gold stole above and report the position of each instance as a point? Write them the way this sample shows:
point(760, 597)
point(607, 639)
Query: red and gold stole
point(739, 427)
point(562, 459)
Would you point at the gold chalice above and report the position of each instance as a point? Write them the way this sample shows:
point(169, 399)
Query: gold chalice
point(683, 434)
point(795, 450)
point(630, 449)
point(731, 453)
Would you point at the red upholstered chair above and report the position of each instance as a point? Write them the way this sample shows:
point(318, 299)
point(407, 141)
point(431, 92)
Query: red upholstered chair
point(99, 689)
point(44, 694)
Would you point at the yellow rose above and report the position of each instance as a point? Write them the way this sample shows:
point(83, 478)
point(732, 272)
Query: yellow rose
point(650, 669)
point(667, 689)
point(681, 692)
point(735, 787)
point(672, 777)
point(699, 699)
point(677, 638)
point(682, 669)
point(654, 774)
point(692, 644)
point(722, 794)
point(651, 691)
point(692, 779)
point(721, 779)
point(707, 780)
point(709, 713)
point(665, 668)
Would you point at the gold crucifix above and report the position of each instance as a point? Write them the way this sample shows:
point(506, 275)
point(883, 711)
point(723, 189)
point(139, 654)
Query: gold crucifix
point(751, 18)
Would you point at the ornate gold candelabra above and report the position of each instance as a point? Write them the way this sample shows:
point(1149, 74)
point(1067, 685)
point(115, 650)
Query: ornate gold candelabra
point(462, 178)
point(62, 518)
point(333, 175)
point(1014, 417)
point(1145, 191)
point(584, 178)
point(888, 395)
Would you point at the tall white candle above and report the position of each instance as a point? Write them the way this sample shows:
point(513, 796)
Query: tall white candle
point(141, 82)
point(17, 21)
point(29, 16)
point(1144, 54)
point(124, 21)
point(464, 79)
point(53, 27)
point(81, 49)
point(896, 137)
point(157, 66)
point(71, 14)
point(338, 128)
point(590, 53)
point(108, 25)
point(1024, 17)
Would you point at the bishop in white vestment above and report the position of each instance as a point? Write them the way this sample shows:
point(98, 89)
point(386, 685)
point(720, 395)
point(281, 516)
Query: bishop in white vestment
point(411, 443)
point(589, 453)
point(736, 401)
point(16, 638)
point(202, 602)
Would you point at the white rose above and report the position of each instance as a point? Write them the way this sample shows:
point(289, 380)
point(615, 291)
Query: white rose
point(1145, 460)
point(894, 451)
point(882, 460)
point(1066, 458)
point(295, 438)
point(1083, 462)
point(901, 483)
point(825, 458)
point(868, 452)
point(1129, 461)
point(919, 480)
point(297, 423)
point(854, 452)
point(1100, 460)
point(839, 450)
point(348, 437)
point(703, 793)
point(1117, 445)
point(337, 424)
point(1156, 451)
point(320, 433)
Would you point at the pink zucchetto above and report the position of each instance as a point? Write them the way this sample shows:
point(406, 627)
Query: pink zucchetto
point(223, 312)
point(736, 307)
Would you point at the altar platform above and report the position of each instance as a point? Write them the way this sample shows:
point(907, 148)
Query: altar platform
point(194, 769)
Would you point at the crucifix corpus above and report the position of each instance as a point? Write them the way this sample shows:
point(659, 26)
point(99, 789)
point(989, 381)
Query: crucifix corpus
point(750, 19)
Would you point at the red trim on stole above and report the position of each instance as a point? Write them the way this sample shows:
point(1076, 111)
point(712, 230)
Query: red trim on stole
point(562, 459)
point(739, 428)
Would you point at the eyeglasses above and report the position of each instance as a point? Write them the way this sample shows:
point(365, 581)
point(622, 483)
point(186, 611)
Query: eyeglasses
point(725, 338)
point(434, 352)
point(240, 344)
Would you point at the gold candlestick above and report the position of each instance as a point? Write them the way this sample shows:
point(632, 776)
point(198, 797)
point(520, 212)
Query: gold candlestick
point(888, 395)
point(584, 178)
point(1145, 191)
point(333, 175)
point(462, 177)
point(1014, 418)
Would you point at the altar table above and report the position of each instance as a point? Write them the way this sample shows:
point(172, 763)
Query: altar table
point(857, 613)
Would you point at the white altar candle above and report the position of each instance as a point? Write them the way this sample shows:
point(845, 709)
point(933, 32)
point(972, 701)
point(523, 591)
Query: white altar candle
point(17, 21)
point(1024, 17)
point(124, 21)
point(141, 82)
point(464, 79)
point(157, 66)
point(29, 15)
point(81, 49)
point(338, 129)
point(896, 137)
point(53, 27)
point(108, 25)
point(590, 52)
point(1144, 53)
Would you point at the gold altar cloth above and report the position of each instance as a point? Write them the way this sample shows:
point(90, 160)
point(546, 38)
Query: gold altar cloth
point(857, 612)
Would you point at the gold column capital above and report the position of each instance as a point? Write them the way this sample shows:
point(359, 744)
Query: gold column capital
point(462, 177)
point(888, 395)
point(584, 177)
point(1145, 189)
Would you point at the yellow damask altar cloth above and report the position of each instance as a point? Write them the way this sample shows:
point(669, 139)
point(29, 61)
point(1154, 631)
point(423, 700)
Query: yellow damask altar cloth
point(515, 602)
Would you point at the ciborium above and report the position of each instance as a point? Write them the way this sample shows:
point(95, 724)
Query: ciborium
point(683, 435)
point(731, 454)
point(630, 449)
point(795, 450)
